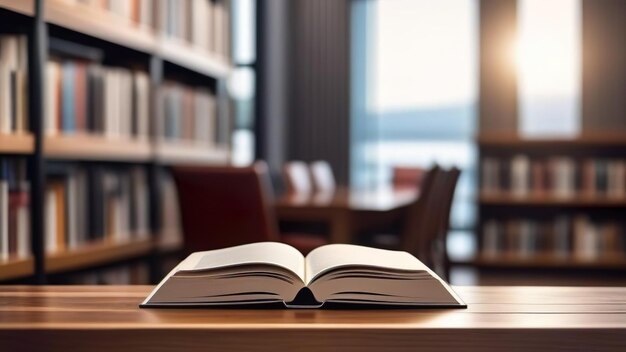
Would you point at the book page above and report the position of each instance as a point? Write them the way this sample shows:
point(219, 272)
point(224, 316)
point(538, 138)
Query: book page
point(333, 256)
point(272, 253)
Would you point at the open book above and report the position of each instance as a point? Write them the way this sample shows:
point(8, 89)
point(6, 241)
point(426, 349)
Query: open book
point(271, 272)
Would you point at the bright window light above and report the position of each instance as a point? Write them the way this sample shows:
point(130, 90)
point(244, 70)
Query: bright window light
point(548, 56)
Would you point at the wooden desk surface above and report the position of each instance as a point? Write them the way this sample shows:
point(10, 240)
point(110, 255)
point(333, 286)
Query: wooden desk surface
point(381, 200)
point(347, 211)
point(106, 318)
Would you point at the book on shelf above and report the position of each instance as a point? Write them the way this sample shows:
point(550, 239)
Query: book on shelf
point(560, 177)
point(137, 12)
point(93, 203)
point(202, 23)
point(169, 212)
point(14, 210)
point(86, 97)
point(13, 83)
point(593, 239)
point(270, 272)
point(562, 237)
point(188, 114)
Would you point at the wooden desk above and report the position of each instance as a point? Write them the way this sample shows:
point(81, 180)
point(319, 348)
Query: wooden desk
point(106, 318)
point(347, 211)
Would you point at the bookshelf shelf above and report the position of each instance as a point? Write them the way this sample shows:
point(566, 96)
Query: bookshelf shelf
point(119, 30)
point(16, 268)
point(16, 143)
point(509, 140)
point(86, 147)
point(545, 261)
point(25, 7)
point(180, 152)
point(99, 24)
point(95, 254)
point(195, 59)
point(551, 201)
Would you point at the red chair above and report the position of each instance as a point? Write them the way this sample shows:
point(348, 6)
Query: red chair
point(228, 206)
point(407, 177)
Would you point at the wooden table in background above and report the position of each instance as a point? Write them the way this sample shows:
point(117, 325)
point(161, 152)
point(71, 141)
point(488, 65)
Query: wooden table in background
point(347, 211)
point(106, 318)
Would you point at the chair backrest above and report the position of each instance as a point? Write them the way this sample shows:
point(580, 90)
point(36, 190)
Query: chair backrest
point(323, 177)
point(297, 177)
point(417, 221)
point(430, 243)
point(407, 177)
point(441, 260)
point(224, 206)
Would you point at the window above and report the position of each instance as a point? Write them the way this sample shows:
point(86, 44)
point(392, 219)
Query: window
point(549, 67)
point(415, 83)
point(241, 83)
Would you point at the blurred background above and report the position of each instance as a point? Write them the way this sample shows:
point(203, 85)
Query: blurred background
point(486, 137)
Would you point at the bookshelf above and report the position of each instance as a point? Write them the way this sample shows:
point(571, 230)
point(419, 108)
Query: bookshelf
point(552, 203)
point(17, 143)
point(125, 43)
point(98, 253)
point(99, 24)
point(24, 7)
point(172, 153)
point(512, 140)
point(192, 58)
point(90, 147)
point(548, 261)
point(578, 201)
point(15, 268)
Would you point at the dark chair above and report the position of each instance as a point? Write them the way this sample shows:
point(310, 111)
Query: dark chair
point(442, 261)
point(427, 240)
point(399, 236)
point(228, 206)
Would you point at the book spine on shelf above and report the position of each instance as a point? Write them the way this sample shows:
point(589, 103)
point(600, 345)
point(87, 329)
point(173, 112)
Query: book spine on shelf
point(18, 192)
point(562, 237)
point(67, 103)
point(91, 203)
point(90, 98)
point(13, 83)
point(4, 210)
point(559, 177)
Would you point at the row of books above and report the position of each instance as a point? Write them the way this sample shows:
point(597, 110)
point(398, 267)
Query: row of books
point(95, 203)
point(84, 97)
point(557, 176)
point(203, 23)
point(188, 113)
point(169, 213)
point(14, 209)
point(564, 236)
point(13, 83)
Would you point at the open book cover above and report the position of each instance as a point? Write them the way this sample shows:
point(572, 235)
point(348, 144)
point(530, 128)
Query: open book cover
point(270, 272)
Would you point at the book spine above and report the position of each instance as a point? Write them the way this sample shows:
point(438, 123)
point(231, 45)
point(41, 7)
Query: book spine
point(68, 91)
point(4, 210)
